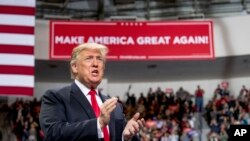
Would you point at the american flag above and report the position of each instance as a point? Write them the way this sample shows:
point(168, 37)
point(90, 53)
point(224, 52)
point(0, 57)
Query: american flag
point(17, 41)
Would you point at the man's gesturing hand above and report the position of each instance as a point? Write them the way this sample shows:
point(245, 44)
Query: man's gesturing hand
point(133, 126)
point(105, 110)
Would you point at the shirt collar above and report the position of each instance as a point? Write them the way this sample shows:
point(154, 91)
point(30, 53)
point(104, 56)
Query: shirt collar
point(85, 90)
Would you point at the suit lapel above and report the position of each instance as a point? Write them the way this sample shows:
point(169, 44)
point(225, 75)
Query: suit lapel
point(82, 100)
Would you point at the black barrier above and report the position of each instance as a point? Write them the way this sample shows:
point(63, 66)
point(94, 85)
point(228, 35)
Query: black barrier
point(239, 133)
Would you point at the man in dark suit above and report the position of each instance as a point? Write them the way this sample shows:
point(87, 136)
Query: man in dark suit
point(79, 112)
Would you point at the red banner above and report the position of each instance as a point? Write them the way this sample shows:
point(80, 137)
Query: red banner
point(136, 40)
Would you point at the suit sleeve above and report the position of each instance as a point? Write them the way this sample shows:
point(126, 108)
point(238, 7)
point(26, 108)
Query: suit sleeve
point(54, 122)
point(135, 137)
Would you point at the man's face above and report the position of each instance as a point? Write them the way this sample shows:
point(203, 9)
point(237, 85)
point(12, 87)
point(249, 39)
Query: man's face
point(89, 67)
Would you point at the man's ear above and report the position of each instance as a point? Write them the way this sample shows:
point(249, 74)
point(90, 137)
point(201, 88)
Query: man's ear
point(74, 67)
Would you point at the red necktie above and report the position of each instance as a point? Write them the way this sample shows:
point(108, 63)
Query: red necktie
point(97, 112)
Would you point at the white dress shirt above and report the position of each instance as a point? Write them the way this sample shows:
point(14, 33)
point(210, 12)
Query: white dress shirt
point(85, 91)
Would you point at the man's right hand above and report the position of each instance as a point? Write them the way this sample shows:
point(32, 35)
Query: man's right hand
point(105, 110)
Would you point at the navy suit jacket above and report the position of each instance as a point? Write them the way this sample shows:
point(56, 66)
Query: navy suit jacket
point(66, 115)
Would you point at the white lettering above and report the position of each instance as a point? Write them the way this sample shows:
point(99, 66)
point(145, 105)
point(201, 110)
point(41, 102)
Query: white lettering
point(105, 40)
point(123, 40)
point(237, 132)
point(140, 40)
point(130, 41)
point(69, 39)
point(58, 39)
point(91, 40)
point(190, 40)
point(243, 131)
point(111, 40)
point(240, 132)
point(154, 40)
point(147, 40)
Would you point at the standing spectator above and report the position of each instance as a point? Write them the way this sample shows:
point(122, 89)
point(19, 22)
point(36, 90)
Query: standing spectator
point(217, 91)
point(199, 98)
point(150, 96)
point(242, 94)
point(225, 90)
point(142, 98)
point(243, 90)
point(181, 94)
point(133, 100)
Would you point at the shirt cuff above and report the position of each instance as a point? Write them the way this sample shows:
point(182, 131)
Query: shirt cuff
point(99, 130)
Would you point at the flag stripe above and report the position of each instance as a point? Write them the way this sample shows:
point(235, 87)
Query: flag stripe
point(16, 29)
point(28, 3)
point(15, 49)
point(16, 91)
point(20, 20)
point(17, 80)
point(17, 10)
point(17, 59)
point(4, 69)
point(17, 39)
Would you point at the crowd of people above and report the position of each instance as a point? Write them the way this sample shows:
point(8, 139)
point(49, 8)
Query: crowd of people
point(22, 120)
point(169, 115)
point(225, 109)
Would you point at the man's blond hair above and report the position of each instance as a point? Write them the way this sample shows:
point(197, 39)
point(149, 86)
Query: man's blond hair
point(78, 49)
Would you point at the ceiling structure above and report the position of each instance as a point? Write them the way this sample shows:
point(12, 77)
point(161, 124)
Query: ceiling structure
point(139, 9)
point(146, 71)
